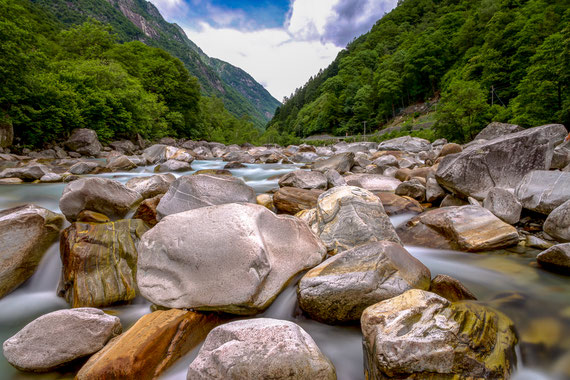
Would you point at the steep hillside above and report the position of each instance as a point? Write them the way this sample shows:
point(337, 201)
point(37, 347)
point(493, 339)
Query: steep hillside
point(507, 60)
point(140, 20)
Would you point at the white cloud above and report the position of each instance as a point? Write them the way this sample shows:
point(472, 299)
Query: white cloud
point(308, 19)
point(171, 8)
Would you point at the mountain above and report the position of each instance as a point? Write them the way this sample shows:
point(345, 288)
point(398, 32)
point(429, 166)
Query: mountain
point(503, 60)
point(140, 20)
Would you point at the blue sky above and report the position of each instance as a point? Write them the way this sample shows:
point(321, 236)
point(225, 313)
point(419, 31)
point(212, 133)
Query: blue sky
point(281, 43)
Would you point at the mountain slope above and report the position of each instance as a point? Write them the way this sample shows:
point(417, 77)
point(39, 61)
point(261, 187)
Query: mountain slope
point(140, 20)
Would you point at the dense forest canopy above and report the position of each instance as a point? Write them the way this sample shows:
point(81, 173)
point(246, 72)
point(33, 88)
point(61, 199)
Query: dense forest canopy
point(503, 60)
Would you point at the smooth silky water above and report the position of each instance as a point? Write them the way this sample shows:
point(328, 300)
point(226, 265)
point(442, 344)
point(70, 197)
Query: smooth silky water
point(509, 280)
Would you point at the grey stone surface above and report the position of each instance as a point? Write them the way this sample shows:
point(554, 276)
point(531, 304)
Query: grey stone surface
point(339, 289)
point(159, 153)
point(195, 191)
point(556, 258)
point(373, 182)
point(303, 179)
point(342, 163)
point(103, 195)
point(503, 204)
point(173, 166)
point(152, 186)
point(180, 259)
point(543, 190)
point(334, 179)
point(258, 349)
point(84, 167)
point(60, 337)
point(406, 144)
point(121, 162)
point(434, 192)
point(123, 146)
point(413, 189)
point(30, 172)
point(496, 129)
point(84, 141)
point(557, 224)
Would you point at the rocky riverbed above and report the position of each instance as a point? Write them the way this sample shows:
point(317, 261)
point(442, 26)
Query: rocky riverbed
point(196, 260)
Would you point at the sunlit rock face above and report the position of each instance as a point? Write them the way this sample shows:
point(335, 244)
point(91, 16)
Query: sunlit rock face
point(233, 258)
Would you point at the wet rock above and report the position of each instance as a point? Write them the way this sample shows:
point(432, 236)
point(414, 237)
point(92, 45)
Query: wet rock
point(238, 156)
point(291, 200)
point(213, 172)
point(466, 228)
point(373, 182)
point(159, 153)
point(60, 337)
point(342, 163)
point(26, 232)
point(413, 189)
point(168, 335)
point(234, 165)
point(84, 141)
point(121, 162)
point(173, 166)
point(147, 210)
point(502, 162)
point(31, 172)
point(450, 288)
point(103, 195)
point(543, 190)
point(191, 192)
point(51, 178)
point(84, 167)
point(99, 262)
point(532, 241)
point(503, 204)
point(334, 179)
point(396, 205)
point(260, 348)
point(11, 181)
point(87, 216)
point(179, 259)
point(406, 144)
point(434, 192)
point(422, 335)
point(496, 129)
point(339, 289)
point(349, 216)
point(556, 258)
point(450, 201)
point(266, 200)
point(557, 224)
point(149, 187)
point(303, 179)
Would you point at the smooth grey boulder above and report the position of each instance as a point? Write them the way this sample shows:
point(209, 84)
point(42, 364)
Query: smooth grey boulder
point(60, 337)
point(406, 144)
point(149, 187)
point(27, 173)
point(385, 161)
point(502, 162)
point(238, 156)
point(434, 192)
point(334, 179)
point(342, 163)
point(413, 189)
point(544, 190)
point(121, 162)
point(123, 146)
point(420, 335)
point(84, 141)
point(556, 258)
point(173, 166)
point(84, 167)
point(373, 182)
point(259, 349)
point(557, 224)
point(561, 157)
point(450, 200)
point(159, 153)
point(180, 259)
point(349, 216)
point(102, 195)
point(503, 204)
point(195, 191)
point(496, 129)
point(339, 289)
point(26, 232)
point(303, 179)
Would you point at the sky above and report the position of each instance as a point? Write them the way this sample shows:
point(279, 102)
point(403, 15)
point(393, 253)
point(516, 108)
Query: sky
point(281, 43)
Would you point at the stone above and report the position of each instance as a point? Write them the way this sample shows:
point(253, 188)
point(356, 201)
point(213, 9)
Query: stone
point(450, 288)
point(303, 179)
point(123, 146)
point(334, 179)
point(150, 346)
point(291, 200)
point(26, 232)
point(556, 258)
point(87, 216)
point(103, 195)
point(342, 163)
point(51, 178)
point(150, 187)
point(448, 149)
point(58, 338)
point(84, 141)
point(450, 201)
point(234, 165)
point(31, 172)
point(561, 156)
point(373, 182)
point(260, 348)
point(266, 200)
point(434, 192)
point(503, 204)
point(502, 162)
point(237, 156)
point(99, 262)
point(179, 259)
point(386, 161)
point(84, 167)
point(121, 162)
point(403, 174)
point(191, 192)
point(147, 210)
point(396, 205)
point(543, 190)
point(413, 189)
point(173, 166)
point(214, 172)
point(406, 144)
point(557, 224)
point(11, 181)
point(421, 335)
point(339, 289)
point(532, 241)
point(349, 216)
point(466, 228)
point(496, 129)
point(159, 153)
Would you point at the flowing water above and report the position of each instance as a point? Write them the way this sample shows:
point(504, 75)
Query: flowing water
point(538, 301)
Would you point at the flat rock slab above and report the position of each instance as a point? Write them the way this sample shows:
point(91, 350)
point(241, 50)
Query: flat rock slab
point(150, 346)
point(258, 349)
point(179, 259)
point(373, 182)
point(291, 200)
point(58, 338)
point(396, 205)
point(303, 179)
point(544, 190)
point(466, 228)
point(342, 163)
point(406, 144)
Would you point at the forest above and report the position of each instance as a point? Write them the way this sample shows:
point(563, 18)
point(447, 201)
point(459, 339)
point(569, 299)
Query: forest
point(485, 60)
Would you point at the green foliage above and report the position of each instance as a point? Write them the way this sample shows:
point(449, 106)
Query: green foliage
point(457, 48)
